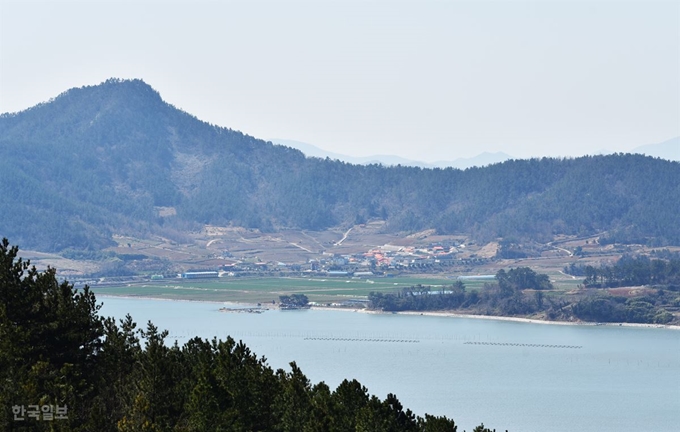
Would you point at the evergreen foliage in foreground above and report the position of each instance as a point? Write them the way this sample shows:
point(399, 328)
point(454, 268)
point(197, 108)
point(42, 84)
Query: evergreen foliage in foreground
point(56, 350)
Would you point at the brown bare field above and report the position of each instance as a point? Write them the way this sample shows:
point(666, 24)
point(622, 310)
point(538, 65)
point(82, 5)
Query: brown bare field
point(214, 246)
point(65, 267)
point(631, 291)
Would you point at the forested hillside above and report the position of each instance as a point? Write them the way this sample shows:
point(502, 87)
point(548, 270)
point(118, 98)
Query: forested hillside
point(100, 160)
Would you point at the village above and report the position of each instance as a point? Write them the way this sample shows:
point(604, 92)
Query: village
point(360, 252)
point(377, 261)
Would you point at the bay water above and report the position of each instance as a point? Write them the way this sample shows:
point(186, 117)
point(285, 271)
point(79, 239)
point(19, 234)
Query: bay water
point(518, 376)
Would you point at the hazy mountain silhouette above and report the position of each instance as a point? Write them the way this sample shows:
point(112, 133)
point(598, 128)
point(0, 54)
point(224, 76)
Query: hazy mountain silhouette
point(669, 150)
point(310, 150)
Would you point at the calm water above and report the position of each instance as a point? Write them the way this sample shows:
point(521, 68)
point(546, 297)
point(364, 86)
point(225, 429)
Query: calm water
point(621, 379)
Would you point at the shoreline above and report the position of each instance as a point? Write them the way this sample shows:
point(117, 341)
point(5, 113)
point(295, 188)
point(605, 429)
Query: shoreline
point(451, 314)
point(445, 314)
point(539, 321)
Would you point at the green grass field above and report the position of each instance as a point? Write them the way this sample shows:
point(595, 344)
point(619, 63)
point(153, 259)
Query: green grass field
point(317, 289)
point(251, 290)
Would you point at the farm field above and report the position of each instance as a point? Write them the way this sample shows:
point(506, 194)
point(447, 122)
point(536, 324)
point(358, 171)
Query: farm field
point(264, 290)
point(268, 289)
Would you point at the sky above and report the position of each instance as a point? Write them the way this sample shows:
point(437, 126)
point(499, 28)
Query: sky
point(424, 80)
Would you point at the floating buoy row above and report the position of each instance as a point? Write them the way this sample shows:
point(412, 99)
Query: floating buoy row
point(362, 340)
point(523, 345)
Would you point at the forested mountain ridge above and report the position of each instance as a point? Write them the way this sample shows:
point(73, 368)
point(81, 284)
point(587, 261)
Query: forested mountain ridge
point(101, 159)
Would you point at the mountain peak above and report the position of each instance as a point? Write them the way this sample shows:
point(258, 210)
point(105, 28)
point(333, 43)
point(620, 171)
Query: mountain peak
point(135, 85)
point(125, 90)
point(121, 101)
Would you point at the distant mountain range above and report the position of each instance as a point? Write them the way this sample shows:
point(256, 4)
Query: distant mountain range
point(669, 150)
point(116, 159)
point(480, 160)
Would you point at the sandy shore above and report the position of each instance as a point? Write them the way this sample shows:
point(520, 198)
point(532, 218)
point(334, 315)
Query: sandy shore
point(537, 321)
point(450, 314)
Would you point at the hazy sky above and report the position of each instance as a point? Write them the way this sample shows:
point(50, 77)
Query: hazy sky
point(426, 80)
